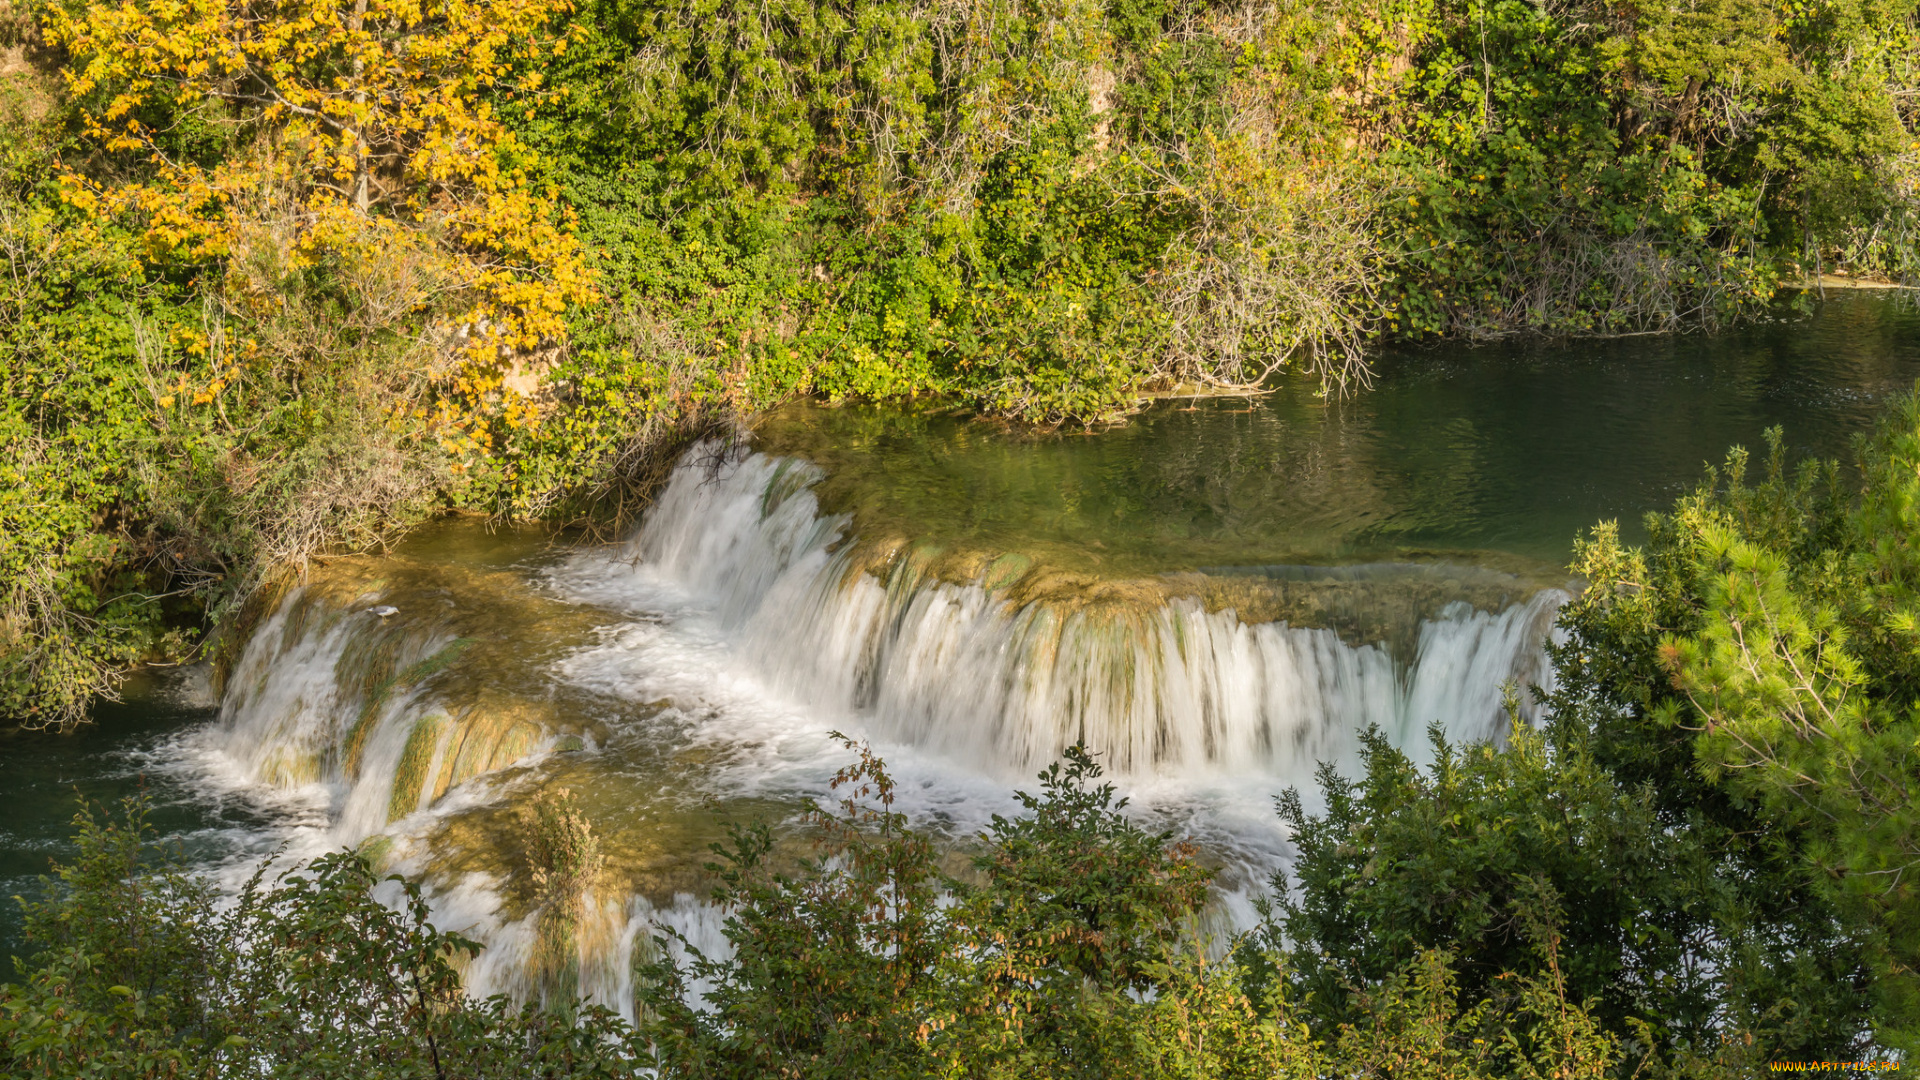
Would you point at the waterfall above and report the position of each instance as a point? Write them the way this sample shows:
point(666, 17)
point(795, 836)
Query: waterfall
point(329, 695)
point(617, 936)
point(741, 622)
point(1147, 674)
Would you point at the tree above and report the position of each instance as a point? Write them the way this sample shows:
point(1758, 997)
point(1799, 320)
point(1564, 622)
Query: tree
point(1802, 682)
point(358, 122)
point(1754, 666)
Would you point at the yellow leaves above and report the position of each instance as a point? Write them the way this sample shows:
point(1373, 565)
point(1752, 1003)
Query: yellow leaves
point(385, 147)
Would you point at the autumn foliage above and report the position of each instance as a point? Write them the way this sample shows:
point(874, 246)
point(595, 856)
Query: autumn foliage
point(366, 122)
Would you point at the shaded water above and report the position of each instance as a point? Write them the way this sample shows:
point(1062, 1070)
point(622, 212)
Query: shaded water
point(45, 777)
point(1215, 597)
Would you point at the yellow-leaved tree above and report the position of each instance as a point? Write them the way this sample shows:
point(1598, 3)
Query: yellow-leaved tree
point(357, 130)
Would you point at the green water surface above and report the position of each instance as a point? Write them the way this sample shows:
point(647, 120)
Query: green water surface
point(1508, 449)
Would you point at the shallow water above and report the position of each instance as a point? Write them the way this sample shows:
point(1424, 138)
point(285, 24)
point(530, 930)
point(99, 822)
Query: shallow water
point(1215, 596)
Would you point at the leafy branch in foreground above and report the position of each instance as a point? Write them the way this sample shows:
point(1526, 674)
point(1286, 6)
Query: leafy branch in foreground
point(143, 974)
point(1070, 950)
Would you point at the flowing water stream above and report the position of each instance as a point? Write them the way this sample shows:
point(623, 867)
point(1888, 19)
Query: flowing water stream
point(1215, 598)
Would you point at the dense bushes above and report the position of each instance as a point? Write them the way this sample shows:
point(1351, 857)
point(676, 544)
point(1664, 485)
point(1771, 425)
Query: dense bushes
point(1760, 650)
point(1039, 208)
point(1683, 935)
point(1720, 796)
point(1070, 952)
point(1606, 167)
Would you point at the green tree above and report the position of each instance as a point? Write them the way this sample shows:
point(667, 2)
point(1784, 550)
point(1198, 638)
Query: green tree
point(1796, 677)
point(1720, 790)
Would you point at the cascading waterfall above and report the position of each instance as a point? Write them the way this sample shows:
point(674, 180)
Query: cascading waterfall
point(1151, 679)
point(335, 698)
point(742, 613)
point(341, 697)
point(296, 715)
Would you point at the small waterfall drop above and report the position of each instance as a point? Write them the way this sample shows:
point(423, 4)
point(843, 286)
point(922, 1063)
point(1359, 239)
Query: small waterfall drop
point(332, 696)
point(1146, 674)
point(615, 938)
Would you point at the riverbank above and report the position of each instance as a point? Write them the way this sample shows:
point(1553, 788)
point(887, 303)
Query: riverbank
point(1823, 282)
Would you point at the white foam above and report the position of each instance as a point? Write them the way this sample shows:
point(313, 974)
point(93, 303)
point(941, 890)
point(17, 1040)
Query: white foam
point(751, 619)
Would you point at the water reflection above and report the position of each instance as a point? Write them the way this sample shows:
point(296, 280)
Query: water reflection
point(1512, 449)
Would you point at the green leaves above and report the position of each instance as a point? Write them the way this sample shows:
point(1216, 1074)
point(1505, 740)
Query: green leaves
point(1754, 665)
point(1453, 858)
point(1597, 169)
point(74, 601)
point(1726, 772)
point(307, 976)
point(1072, 950)
point(1077, 891)
point(1800, 676)
point(867, 960)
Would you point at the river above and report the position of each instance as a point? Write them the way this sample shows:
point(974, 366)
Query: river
point(1215, 597)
